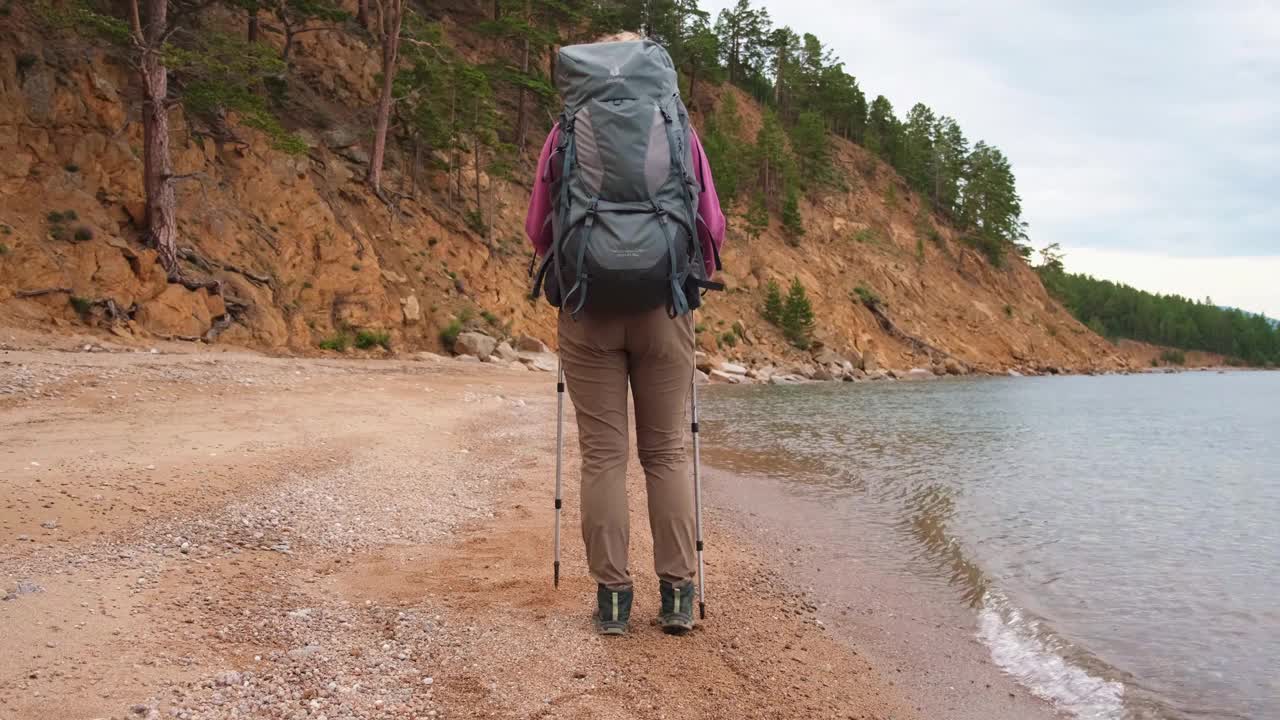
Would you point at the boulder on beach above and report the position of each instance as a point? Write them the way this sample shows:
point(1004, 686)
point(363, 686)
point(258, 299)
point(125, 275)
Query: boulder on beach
point(505, 352)
point(543, 361)
point(474, 344)
point(917, 374)
point(717, 375)
point(787, 379)
point(732, 368)
point(525, 343)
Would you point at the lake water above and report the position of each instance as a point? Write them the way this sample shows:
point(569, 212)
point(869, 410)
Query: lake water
point(1117, 537)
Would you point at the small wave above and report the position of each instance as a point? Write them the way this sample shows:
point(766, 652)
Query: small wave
point(1022, 649)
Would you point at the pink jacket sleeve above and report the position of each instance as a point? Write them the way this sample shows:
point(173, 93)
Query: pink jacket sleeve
point(711, 221)
point(537, 222)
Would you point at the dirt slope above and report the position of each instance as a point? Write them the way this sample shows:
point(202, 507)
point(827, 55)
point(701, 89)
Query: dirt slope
point(304, 249)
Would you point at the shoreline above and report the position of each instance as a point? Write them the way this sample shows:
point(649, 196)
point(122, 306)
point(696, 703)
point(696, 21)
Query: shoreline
point(229, 535)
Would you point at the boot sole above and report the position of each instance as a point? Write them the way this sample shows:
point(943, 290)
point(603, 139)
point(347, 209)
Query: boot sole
point(676, 628)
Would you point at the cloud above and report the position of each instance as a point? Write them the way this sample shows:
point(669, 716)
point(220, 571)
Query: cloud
point(1141, 126)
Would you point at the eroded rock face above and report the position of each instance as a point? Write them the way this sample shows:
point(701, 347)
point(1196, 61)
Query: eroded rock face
point(336, 258)
point(176, 311)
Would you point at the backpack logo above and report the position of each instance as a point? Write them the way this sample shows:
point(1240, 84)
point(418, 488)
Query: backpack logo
point(615, 71)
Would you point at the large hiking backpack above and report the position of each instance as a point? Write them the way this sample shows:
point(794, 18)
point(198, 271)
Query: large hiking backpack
point(624, 223)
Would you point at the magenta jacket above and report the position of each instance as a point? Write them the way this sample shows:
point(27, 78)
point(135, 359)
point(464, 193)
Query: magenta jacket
point(710, 230)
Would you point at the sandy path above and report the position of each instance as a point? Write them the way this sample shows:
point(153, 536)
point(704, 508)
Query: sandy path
point(229, 536)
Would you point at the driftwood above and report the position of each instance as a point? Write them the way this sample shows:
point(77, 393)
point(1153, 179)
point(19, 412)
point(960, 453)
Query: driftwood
point(877, 310)
point(41, 291)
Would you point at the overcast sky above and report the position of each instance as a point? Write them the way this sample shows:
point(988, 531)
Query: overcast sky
point(1145, 136)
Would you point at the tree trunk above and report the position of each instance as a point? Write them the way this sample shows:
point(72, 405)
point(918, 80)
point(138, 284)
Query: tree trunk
point(253, 26)
point(161, 213)
point(289, 35)
point(475, 144)
point(362, 13)
point(390, 14)
point(497, 10)
point(454, 170)
point(417, 163)
point(521, 116)
point(693, 80)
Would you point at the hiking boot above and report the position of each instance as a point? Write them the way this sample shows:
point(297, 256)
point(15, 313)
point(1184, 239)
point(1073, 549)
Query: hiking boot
point(676, 617)
point(613, 610)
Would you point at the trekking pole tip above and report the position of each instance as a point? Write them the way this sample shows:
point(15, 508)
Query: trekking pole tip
point(556, 574)
point(702, 610)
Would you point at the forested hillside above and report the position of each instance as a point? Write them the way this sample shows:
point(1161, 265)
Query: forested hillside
point(1117, 310)
point(302, 174)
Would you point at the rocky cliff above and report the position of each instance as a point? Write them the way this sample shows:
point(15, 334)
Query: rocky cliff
point(306, 253)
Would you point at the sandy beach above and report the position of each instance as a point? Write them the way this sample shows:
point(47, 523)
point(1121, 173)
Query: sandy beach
point(227, 535)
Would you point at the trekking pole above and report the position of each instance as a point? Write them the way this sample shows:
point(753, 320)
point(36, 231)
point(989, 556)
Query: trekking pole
point(697, 498)
point(559, 461)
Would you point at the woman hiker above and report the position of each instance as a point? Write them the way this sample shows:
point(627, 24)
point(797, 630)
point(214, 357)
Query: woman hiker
point(625, 217)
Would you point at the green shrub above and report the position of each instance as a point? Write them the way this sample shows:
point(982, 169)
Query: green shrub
point(81, 305)
point(54, 217)
point(450, 333)
point(891, 196)
point(306, 285)
point(489, 317)
point(919, 249)
point(1052, 330)
point(338, 343)
point(738, 329)
point(4, 249)
point(992, 247)
point(699, 328)
point(1174, 357)
point(70, 215)
point(1155, 363)
point(729, 339)
point(369, 339)
point(83, 234)
point(475, 221)
point(5, 229)
point(71, 168)
point(866, 295)
point(355, 267)
point(1008, 310)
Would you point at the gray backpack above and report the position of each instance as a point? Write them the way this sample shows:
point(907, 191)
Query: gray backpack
point(624, 224)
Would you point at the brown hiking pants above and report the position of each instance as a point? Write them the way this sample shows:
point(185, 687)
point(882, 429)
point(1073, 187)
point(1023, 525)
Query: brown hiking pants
point(654, 352)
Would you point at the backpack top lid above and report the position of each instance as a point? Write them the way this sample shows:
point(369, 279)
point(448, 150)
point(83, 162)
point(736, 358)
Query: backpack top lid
point(613, 71)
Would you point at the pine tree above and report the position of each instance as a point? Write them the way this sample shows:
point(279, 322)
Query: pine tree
point(883, 130)
point(919, 156)
point(722, 140)
point(757, 216)
point(773, 307)
point(809, 141)
point(797, 317)
point(792, 222)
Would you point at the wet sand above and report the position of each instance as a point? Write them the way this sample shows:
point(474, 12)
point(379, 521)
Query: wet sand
point(219, 535)
point(923, 638)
